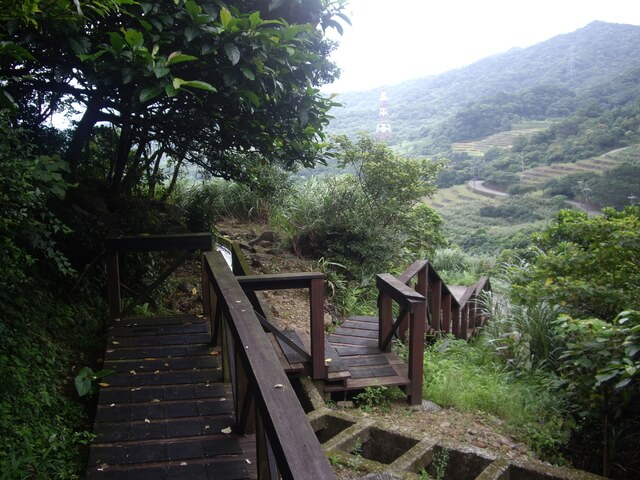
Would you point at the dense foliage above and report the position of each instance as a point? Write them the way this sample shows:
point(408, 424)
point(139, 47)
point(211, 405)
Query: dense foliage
point(212, 83)
point(587, 266)
point(227, 86)
point(368, 219)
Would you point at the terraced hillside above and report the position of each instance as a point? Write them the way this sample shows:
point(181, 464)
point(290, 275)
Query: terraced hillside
point(458, 196)
point(505, 139)
point(479, 224)
point(540, 175)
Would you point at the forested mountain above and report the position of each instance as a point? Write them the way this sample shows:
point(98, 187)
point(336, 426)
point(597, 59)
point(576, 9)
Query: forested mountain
point(594, 67)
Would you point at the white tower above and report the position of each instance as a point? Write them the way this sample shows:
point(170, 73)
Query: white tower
point(383, 129)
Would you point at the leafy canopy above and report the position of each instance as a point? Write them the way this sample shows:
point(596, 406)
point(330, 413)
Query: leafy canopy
point(588, 266)
point(206, 82)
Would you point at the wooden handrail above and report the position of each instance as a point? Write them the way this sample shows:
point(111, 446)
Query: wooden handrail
point(445, 313)
point(159, 243)
point(265, 401)
point(114, 246)
point(314, 281)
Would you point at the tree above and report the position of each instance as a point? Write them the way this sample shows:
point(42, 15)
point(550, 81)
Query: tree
point(209, 83)
point(371, 218)
point(587, 266)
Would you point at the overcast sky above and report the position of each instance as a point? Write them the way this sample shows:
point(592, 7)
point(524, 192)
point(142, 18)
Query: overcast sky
point(396, 40)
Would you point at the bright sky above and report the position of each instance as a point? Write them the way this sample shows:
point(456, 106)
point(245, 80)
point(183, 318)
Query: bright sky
point(396, 40)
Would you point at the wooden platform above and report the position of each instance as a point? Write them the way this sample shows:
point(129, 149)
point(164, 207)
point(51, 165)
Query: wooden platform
point(352, 356)
point(358, 362)
point(161, 415)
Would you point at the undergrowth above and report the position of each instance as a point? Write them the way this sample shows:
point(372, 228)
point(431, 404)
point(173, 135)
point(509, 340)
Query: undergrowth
point(44, 426)
point(471, 378)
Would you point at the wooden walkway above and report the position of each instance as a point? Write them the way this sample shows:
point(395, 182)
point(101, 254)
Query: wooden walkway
point(163, 413)
point(356, 359)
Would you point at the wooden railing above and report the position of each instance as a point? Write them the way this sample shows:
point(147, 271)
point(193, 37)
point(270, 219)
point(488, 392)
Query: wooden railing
point(115, 246)
point(412, 318)
point(313, 281)
point(446, 314)
point(426, 305)
point(265, 403)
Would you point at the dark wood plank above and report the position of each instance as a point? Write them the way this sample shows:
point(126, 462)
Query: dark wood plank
point(278, 281)
point(290, 368)
point(138, 378)
point(365, 361)
point(290, 353)
point(157, 321)
point(113, 353)
point(159, 340)
point(372, 372)
point(143, 330)
point(348, 340)
point(332, 359)
point(356, 332)
point(353, 350)
point(165, 364)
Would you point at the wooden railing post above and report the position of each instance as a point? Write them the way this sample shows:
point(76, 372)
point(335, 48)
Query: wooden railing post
point(455, 320)
point(316, 293)
point(464, 321)
point(113, 285)
point(416, 351)
point(205, 290)
point(446, 312)
point(385, 321)
point(436, 296)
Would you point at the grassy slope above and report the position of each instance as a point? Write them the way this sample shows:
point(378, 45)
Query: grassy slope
point(540, 175)
point(505, 139)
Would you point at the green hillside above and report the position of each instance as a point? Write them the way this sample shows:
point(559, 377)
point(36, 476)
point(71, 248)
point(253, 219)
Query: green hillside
point(596, 66)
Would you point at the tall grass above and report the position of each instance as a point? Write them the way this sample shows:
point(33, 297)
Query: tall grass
point(207, 203)
point(459, 268)
point(471, 378)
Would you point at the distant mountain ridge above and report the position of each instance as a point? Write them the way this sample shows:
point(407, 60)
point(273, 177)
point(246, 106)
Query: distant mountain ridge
point(575, 67)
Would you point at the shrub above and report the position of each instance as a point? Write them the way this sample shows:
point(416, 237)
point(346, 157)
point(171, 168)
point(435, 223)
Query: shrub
point(587, 266)
point(28, 228)
point(367, 219)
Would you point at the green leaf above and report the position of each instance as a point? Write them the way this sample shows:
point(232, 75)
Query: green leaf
point(191, 33)
point(116, 41)
point(161, 71)
point(248, 73)
point(79, 45)
point(83, 381)
point(225, 17)
point(193, 8)
point(255, 19)
point(149, 93)
point(233, 53)
point(134, 38)
point(622, 383)
point(170, 90)
point(177, 57)
point(251, 96)
point(200, 84)
point(179, 83)
point(603, 377)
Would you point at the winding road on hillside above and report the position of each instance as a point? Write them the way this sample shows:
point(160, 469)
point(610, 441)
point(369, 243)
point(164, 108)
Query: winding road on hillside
point(479, 187)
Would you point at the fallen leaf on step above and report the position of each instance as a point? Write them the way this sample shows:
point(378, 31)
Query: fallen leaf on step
point(226, 430)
